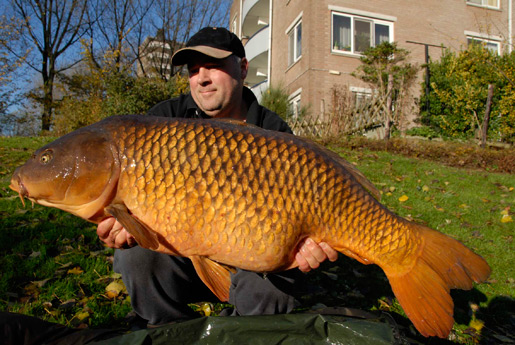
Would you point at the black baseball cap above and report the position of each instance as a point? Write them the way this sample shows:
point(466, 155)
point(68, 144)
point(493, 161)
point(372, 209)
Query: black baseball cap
point(218, 43)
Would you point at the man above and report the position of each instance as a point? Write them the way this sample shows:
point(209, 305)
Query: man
point(160, 285)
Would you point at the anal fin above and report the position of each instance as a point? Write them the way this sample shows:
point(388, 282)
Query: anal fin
point(143, 235)
point(216, 276)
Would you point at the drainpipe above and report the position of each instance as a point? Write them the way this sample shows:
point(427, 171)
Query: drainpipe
point(269, 72)
point(240, 23)
point(510, 25)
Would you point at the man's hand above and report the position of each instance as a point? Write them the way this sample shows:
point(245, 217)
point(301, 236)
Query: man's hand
point(114, 235)
point(311, 254)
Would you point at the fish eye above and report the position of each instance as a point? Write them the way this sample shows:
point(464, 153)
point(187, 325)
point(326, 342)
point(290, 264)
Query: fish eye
point(46, 157)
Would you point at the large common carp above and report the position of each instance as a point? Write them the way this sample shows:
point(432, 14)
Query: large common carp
point(227, 194)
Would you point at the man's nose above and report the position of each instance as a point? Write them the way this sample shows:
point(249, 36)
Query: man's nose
point(203, 76)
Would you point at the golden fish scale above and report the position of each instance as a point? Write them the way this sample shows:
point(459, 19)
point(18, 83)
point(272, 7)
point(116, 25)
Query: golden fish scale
point(244, 199)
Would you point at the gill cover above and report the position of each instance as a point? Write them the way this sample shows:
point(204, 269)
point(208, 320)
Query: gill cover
point(76, 173)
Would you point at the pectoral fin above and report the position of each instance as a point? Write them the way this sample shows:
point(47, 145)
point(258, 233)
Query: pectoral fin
point(216, 276)
point(143, 235)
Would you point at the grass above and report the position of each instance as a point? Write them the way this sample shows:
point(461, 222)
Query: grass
point(54, 267)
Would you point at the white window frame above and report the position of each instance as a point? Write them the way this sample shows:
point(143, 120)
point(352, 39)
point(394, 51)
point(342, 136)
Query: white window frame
point(486, 39)
point(484, 3)
point(361, 95)
point(353, 19)
point(294, 103)
point(294, 54)
point(486, 42)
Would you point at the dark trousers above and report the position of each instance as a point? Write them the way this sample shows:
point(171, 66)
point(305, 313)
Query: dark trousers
point(161, 286)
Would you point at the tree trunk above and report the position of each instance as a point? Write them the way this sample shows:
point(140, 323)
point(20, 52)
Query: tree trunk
point(486, 119)
point(388, 123)
point(46, 118)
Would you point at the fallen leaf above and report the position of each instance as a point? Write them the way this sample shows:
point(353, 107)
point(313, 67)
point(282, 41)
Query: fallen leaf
point(474, 307)
point(403, 198)
point(425, 188)
point(115, 288)
point(506, 219)
point(81, 315)
point(66, 265)
point(206, 309)
point(35, 254)
point(477, 324)
point(75, 270)
point(40, 283)
point(68, 304)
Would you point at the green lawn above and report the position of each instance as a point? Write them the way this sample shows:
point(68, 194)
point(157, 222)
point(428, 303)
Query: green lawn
point(54, 267)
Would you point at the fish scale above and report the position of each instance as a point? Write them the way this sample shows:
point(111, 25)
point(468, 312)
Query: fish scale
point(298, 195)
point(227, 194)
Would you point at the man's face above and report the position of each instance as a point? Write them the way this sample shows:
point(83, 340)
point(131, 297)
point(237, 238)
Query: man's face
point(216, 84)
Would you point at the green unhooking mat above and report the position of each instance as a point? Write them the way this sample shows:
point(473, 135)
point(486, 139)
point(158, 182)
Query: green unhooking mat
point(291, 329)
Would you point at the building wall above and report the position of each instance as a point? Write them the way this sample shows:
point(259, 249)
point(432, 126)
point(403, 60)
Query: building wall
point(425, 21)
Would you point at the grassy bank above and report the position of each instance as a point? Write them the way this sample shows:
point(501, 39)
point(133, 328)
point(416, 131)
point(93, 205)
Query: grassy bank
point(54, 267)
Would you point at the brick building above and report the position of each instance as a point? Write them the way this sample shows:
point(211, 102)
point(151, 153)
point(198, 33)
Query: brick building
point(308, 46)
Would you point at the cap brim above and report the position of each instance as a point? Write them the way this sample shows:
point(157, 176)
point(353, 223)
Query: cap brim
point(182, 56)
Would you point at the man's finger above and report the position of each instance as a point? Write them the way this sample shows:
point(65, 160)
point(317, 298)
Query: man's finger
point(331, 254)
point(104, 228)
point(303, 264)
point(313, 251)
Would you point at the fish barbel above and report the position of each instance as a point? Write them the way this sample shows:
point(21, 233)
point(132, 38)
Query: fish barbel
point(226, 194)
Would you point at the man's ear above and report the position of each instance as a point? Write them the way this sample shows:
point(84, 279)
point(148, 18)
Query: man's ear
point(244, 67)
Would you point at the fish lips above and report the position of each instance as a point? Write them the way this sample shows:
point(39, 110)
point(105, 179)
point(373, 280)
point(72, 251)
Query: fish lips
point(18, 186)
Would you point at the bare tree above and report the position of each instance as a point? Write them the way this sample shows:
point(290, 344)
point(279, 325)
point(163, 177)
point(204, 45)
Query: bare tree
point(174, 22)
point(116, 30)
point(51, 27)
point(10, 32)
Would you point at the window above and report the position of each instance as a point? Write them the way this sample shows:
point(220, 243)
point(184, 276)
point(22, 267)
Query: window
point(353, 34)
point(362, 96)
point(294, 104)
point(485, 3)
point(488, 44)
point(295, 43)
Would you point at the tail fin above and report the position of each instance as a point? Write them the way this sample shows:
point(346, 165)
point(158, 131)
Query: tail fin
point(423, 292)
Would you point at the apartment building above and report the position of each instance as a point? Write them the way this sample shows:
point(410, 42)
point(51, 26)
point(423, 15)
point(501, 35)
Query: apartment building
point(156, 56)
point(309, 46)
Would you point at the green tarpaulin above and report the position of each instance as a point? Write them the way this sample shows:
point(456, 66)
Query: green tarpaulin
point(291, 329)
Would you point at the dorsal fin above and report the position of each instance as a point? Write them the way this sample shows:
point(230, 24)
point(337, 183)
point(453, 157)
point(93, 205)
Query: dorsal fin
point(358, 175)
point(237, 122)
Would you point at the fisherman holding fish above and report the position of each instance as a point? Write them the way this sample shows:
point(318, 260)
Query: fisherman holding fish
point(160, 285)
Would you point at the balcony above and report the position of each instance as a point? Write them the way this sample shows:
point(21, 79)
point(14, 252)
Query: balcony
point(256, 51)
point(255, 16)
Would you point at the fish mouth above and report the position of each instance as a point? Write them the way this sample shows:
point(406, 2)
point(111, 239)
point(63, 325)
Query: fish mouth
point(18, 186)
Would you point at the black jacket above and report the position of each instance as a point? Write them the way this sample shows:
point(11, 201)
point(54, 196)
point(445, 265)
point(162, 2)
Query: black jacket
point(185, 106)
